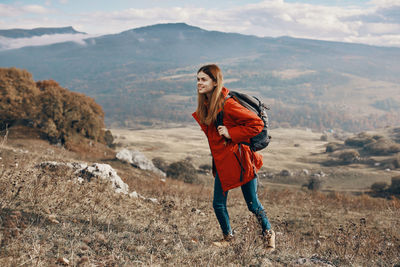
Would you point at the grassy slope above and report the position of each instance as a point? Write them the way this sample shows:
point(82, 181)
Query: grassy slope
point(46, 215)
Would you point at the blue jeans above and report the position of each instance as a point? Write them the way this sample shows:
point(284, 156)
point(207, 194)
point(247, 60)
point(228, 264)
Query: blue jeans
point(249, 191)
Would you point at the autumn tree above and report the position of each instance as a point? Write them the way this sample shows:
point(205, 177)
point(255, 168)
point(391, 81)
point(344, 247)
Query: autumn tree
point(61, 115)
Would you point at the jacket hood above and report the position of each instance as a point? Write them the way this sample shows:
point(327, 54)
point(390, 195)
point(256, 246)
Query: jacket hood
point(225, 91)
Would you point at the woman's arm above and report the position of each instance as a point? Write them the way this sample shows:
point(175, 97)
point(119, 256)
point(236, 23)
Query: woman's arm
point(247, 123)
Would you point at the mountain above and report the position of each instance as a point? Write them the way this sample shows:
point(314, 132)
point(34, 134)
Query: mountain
point(148, 74)
point(25, 33)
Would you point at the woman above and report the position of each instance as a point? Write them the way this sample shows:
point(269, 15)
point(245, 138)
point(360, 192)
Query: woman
point(234, 164)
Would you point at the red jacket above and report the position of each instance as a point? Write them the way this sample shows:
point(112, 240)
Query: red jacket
point(242, 124)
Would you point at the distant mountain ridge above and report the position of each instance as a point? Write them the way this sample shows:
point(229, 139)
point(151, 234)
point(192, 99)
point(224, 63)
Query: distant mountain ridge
point(148, 74)
point(26, 33)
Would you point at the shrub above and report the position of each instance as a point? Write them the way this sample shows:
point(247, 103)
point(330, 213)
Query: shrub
point(324, 137)
point(349, 156)
point(360, 140)
point(182, 170)
point(396, 161)
point(382, 147)
point(205, 168)
point(160, 163)
point(109, 139)
point(379, 187)
point(314, 183)
point(377, 137)
point(331, 147)
point(395, 186)
point(396, 134)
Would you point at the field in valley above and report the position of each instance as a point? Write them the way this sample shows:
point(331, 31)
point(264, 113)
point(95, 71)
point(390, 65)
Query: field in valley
point(294, 150)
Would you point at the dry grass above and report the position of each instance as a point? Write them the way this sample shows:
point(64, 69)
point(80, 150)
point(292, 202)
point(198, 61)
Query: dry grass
point(47, 216)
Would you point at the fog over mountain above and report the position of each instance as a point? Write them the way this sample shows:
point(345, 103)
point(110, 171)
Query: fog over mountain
point(148, 74)
point(17, 38)
point(24, 33)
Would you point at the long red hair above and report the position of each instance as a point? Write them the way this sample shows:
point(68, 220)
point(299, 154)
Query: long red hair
point(207, 109)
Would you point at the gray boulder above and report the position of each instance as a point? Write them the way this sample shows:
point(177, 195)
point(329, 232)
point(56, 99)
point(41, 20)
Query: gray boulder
point(86, 172)
point(106, 172)
point(139, 160)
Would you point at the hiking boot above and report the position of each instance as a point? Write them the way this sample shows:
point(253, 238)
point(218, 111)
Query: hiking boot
point(269, 237)
point(224, 242)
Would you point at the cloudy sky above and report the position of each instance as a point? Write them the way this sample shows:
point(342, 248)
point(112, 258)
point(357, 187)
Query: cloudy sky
point(375, 22)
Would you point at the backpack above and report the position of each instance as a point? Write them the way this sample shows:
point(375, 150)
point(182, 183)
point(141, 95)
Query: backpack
point(252, 103)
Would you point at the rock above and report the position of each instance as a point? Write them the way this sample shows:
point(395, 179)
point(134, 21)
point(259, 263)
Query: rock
point(153, 200)
point(53, 219)
point(106, 172)
point(85, 172)
point(134, 194)
point(301, 261)
point(55, 166)
point(285, 173)
point(269, 175)
point(125, 156)
point(305, 171)
point(63, 261)
point(138, 160)
point(197, 211)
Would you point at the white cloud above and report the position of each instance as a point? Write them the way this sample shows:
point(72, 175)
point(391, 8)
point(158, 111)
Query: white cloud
point(384, 3)
point(11, 43)
point(381, 28)
point(12, 10)
point(381, 40)
point(267, 18)
point(8, 11)
point(34, 9)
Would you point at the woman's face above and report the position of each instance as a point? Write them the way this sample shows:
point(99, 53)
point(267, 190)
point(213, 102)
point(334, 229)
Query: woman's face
point(205, 84)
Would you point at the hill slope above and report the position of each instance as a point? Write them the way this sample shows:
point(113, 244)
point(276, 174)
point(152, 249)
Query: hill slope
point(148, 74)
point(49, 216)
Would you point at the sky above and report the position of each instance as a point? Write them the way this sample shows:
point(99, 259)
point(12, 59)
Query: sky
point(374, 22)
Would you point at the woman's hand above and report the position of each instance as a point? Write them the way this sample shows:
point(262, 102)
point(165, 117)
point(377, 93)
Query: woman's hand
point(222, 130)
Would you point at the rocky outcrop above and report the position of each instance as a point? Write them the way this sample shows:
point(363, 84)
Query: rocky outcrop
point(94, 171)
point(137, 159)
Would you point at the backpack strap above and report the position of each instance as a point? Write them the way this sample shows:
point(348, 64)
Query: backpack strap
point(242, 170)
